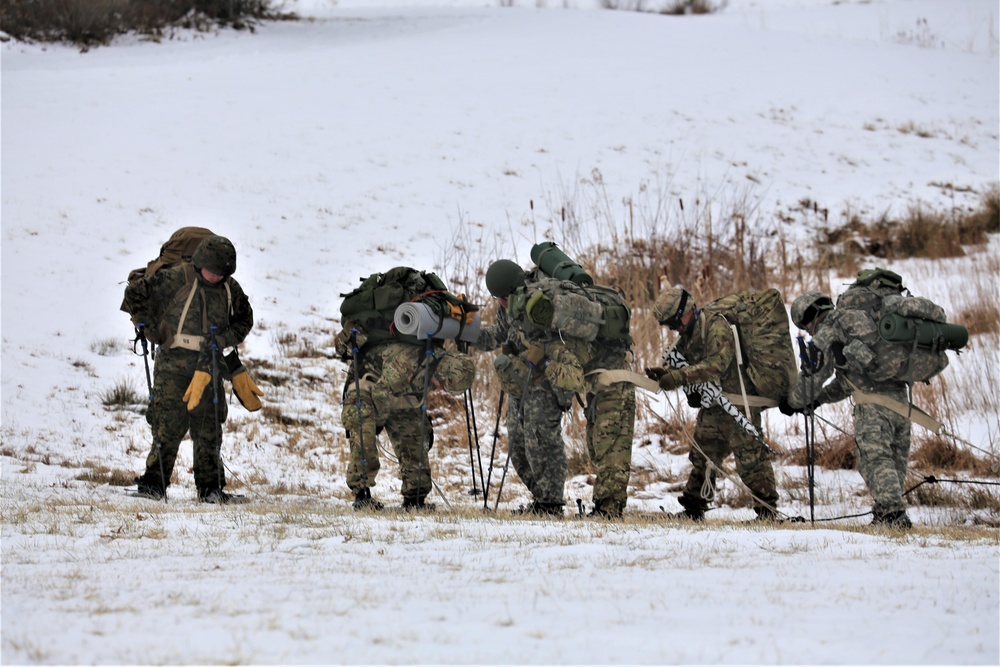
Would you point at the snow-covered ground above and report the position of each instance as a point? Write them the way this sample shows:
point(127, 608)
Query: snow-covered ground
point(386, 133)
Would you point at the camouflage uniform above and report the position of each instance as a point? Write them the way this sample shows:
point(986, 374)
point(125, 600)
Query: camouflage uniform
point(709, 348)
point(159, 298)
point(534, 425)
point(535, 438)
point(843, 338)
point(610, 428)
point(392, 388)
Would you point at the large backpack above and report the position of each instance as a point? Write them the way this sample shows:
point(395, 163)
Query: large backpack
point(914, 333)
point(764, 337)
point(176, 251)
point(552, 307)
point(374, 302)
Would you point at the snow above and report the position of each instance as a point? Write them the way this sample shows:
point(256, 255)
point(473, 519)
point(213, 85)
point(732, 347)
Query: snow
point(411, 132)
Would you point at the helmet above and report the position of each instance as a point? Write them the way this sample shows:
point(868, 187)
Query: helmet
point(808, 306)
point(217, 254)
point(671, 304)
point(503, 277)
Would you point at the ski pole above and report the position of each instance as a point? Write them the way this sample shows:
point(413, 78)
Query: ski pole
point(140, 337)
point(214, 346)
point(520, 419)
point(493, 451)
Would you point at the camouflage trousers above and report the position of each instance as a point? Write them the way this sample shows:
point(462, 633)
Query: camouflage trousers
point(402, 425)
point(883, 441)
point(535, 443)
point(610, 426)
point(718, 435)
point(171, 420)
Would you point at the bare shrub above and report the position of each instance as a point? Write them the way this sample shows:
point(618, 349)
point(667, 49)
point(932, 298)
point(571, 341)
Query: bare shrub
point(121, 394)
point(89, 23)
point(937, 454)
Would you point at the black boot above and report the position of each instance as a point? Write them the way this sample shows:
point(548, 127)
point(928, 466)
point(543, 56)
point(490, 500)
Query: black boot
point(363, 501)
point(897, 519)
point(767, 514)
point(416, 504)
point(694, 508)
point(215, 497)
point(146, 489)
point(604, 509)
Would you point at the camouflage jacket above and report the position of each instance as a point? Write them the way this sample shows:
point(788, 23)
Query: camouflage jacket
point(159, 299)
point(845, 339)
point(711, 354)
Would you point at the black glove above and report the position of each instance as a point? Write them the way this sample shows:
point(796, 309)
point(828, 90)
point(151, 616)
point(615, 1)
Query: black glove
point(838, 353)
point(786, 409)
point(655, 372)
point(694, 399)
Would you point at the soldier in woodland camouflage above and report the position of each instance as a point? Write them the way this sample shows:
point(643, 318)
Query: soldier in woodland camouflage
point(707, 343)
point(181, 304)
point(845, 339)
point(392, 375)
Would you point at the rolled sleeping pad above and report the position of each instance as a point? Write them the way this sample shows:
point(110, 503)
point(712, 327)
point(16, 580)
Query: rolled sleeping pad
point(555, 263)
point(418, 319)
point(896, 328)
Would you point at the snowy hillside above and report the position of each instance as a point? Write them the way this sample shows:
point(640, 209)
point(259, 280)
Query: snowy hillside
point(424, 133)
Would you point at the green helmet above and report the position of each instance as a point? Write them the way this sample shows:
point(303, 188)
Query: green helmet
point(217, 254)
point(671, 304)
point(808, 306)
point(503, 277)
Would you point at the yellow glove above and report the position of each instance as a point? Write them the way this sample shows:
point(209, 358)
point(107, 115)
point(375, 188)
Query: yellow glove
point(247, 390)
point(196, 389)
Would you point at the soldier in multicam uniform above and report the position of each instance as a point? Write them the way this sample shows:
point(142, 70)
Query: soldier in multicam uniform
point(543, 375)
point(392, 382)
point(844, 339)
point(707, 344)
point(185, 302)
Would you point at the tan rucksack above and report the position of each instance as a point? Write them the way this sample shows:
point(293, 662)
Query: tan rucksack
point(764, 336)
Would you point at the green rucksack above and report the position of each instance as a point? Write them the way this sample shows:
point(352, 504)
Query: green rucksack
point(373, 303)
point(765, 339)
point(568, 310)
point(914, 333)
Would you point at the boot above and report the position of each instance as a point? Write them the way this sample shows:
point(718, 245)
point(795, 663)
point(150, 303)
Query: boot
point(146, 490)
point(604, 509)
point(363, 501)
point(215, 497)
point(767, 514)
point(694, 509)
point(897, 519)
point(411, 504)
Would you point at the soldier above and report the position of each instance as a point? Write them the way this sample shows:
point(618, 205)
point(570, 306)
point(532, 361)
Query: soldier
point(534, 427)
point(390, 372)
point(843, 337)
point(706, 342)
point(543, 373)
point(182, 305)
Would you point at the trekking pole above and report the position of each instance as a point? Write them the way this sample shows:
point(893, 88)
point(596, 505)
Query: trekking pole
point(520, 418)
point(356, 354)
point(808, 358)
point(493, 451)
point(474, 491)
point(470, 430)
point(140, 337)
point(214, 346)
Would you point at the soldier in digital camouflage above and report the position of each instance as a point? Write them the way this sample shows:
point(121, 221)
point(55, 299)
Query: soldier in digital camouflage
point(391, 372)
point(707, 343)
point(542, 374)
point(180, 306)
point(845, 339)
